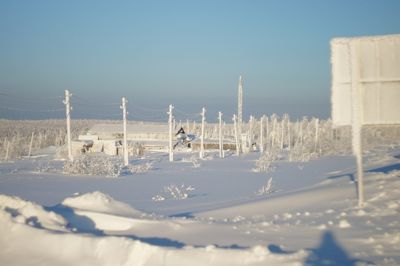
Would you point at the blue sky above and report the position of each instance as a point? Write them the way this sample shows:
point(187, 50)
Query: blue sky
point(188, 53)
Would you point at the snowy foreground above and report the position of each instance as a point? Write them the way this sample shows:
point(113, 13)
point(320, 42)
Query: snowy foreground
point(201, 212)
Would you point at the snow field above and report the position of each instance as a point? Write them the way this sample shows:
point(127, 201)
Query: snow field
point(306, 214)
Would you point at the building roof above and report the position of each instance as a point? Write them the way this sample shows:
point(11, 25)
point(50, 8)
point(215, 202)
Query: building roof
point(139, 128)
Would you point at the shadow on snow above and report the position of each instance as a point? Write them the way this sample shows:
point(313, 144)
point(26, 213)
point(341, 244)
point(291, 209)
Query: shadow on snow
point(328, 252)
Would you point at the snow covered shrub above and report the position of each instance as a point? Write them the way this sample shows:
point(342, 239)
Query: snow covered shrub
point(158, 198)
point(302, 153)
point(194, 159)
point(136, 149)
point(316, 138)
point(266, 189)
point(178, 192)
point(140, 168)
point(264, 163)
point(45, 167)
point(94, 164)
point(16, 135)
point(173, 191)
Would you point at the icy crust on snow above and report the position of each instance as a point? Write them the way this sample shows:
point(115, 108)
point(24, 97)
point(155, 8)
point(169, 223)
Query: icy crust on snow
point(99, 202)
point(24, 243)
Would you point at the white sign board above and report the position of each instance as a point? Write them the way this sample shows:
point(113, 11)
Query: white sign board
point(370, 65)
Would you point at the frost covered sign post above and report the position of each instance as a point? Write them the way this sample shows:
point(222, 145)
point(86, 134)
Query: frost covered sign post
point(365, 87)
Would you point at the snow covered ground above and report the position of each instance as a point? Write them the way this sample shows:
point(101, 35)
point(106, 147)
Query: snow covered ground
point(202, 212)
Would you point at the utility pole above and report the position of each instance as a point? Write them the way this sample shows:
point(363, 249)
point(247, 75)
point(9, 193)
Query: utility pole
point(240, 101)
point(289, 139)
point(316, 134)
point(68, 110)
point(236, 135)
point(30, 145)
point(262, 134)
point(240, 112)
point(7, 149)
point(221, 148)
point(171, 153)
point(266, 132)
point(125, 144)
point(203, 119)
point(282, 131)
point(251, 129)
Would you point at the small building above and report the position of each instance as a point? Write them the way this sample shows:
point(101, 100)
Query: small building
point(137, 131)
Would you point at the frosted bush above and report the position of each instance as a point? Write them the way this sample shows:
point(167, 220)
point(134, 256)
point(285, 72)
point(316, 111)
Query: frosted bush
point(266, 189)
point(266, 160)
point(140, 168)
point(17, 135)
point(194, 160)
point(176, 192)
point(45, 167)
point(158, 198)
point(98, 164)
point(136, 149)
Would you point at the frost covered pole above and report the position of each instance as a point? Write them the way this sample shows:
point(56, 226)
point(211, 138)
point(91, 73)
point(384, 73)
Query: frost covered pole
point(7, 149)
point(288, 133)
point(240, 101)
point(240, 110)
point(266, 132)
point(357, 118)
point(125, 145)
point(236, 135)
point(68, 110)
point(282, 131)
point(316, 134)
point(221, 152)
point(30, 145)
point(203, 119)
point(251, 127)
point(170, 149)
point(262, 134)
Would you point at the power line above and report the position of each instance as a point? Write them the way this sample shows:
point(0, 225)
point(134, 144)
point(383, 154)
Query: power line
point(31, 110)
point(87, 101)
point(30, 98)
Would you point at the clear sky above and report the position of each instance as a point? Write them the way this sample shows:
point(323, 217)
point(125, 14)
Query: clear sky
point(188, 53)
